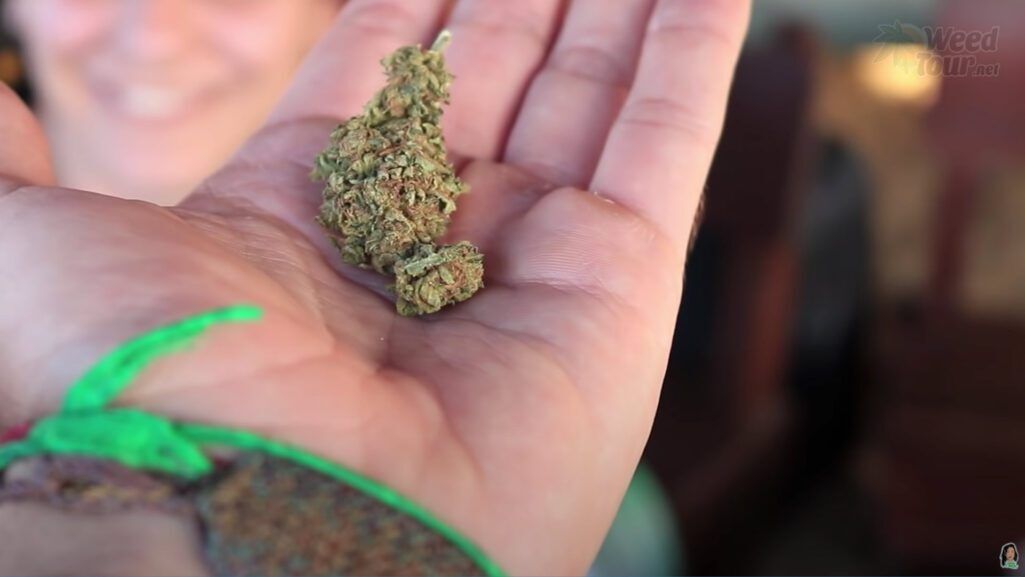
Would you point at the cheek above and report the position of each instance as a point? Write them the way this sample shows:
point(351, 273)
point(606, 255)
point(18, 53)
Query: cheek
point(270, 37)
point(65, 27)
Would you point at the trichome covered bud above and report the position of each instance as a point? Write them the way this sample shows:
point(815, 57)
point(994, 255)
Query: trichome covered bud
point(390, 189)
point(432, 277)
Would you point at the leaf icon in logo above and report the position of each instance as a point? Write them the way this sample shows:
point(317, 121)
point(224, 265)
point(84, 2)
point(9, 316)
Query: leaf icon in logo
point(890, 35)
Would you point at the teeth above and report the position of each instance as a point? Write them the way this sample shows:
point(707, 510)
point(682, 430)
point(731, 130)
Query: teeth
point(150, 102)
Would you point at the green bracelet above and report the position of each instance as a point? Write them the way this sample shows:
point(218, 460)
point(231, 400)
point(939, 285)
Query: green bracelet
point(88, 426)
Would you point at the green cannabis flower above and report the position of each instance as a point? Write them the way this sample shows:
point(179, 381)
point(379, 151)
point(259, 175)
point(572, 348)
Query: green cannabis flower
point(433, 277)
point(390, 189)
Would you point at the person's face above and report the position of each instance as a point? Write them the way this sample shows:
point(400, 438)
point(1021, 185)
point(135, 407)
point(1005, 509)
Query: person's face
point(158, 93)
point(1009, 554)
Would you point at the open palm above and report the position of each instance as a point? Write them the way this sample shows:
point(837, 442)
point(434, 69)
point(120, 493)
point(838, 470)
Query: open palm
point(585, 134)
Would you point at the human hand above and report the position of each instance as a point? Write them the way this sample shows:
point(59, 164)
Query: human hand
point(518, 416)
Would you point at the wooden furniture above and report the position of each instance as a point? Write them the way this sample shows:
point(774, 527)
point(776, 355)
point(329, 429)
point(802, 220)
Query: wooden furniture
point(723, 438)
point(945, 455)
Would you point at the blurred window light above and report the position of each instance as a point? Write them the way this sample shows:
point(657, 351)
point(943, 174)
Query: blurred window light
point(900, 73)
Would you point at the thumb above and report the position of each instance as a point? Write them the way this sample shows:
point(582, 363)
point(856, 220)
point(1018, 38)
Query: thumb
point(24, 154)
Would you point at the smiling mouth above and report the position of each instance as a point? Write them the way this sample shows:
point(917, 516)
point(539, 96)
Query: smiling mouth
point(149, 103)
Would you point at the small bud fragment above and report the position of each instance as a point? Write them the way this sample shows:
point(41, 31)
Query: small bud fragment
point(433, 277)
point(390, 190)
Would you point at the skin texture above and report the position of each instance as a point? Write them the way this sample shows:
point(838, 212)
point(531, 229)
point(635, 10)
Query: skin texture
point(518, 416)
point(146, 543)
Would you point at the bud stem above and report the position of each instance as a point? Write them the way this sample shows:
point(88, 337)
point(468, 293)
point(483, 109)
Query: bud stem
point(442, 41)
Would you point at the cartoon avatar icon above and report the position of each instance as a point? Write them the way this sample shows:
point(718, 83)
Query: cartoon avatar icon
point(1009, 556)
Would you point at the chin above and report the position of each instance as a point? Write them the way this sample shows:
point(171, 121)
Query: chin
point(161, 179)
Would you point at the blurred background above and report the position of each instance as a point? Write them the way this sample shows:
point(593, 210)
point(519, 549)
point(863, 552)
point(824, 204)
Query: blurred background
point(845, 393)
point(847, 383)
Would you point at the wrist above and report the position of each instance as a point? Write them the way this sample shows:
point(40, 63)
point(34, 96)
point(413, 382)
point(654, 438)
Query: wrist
point(39, 368)
point(37, 539)
point(89, 423)
point(174, 385)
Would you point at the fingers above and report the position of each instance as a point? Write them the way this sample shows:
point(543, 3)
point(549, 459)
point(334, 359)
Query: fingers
point(344, 70)
point(24, 156)
point(660, 148)
point(271, 171)
point(497, 46)
point(573, 101)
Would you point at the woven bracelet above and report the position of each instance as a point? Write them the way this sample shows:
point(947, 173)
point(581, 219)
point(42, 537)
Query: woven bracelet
point(271, 508)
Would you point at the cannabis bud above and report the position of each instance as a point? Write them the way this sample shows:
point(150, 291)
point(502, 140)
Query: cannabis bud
point(390, 190)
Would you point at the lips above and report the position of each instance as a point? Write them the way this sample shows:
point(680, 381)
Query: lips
point(148, 102)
